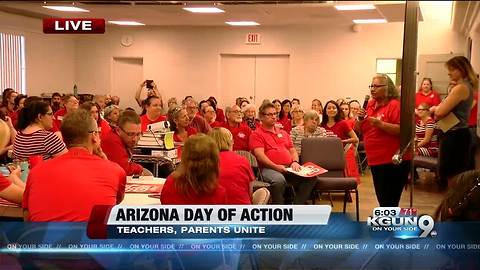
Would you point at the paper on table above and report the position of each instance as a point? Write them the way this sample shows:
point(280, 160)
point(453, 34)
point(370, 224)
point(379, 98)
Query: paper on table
point(168, 140)
point(309, 169)
point(449, 121)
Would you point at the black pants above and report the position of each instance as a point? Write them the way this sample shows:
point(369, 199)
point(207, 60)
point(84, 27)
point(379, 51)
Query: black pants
point(454, 154)
point(389, 181)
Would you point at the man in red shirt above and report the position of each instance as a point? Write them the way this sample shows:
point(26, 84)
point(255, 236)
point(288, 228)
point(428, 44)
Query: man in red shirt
point(209, 115)
point(71, 104)
point(196, 121)
point(274, 150)
point(66, 188)
point(240, 131)
point(117, 145)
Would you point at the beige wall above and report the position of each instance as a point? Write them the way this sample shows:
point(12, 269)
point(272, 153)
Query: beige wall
point(49, 58)
point(326, 62)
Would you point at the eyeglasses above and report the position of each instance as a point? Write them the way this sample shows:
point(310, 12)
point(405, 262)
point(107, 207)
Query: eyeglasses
point(375, 86)
point(422, 109)
point(298, 111)
point(131, 134)
point(94, 132)
point(270, 114)
point(236, 111)
point(49, 113)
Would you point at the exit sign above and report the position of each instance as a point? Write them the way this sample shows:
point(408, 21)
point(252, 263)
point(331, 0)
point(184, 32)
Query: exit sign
point(252, 39)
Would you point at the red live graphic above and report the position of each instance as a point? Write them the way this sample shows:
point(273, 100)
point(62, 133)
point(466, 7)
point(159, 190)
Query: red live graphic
point(73, 26)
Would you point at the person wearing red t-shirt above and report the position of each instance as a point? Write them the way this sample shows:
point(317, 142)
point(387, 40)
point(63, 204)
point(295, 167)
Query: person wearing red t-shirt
point(236, 174)
point(66, 188)
point(426, 143)
point(195, 181)
point(284, 116)
point(103, 126)
point(240, 131)
point(274, 150)
point(71, 104)
point(196, 121)
point(220, 116)
point(332, 121)
point(426, 94)
point(208, 113)
point(118, 144)
point(180, 124)
point(153, 114)
point(381, 133)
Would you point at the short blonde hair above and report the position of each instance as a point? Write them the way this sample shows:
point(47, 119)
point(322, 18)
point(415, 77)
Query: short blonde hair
point(311, 114)
point(222, 137)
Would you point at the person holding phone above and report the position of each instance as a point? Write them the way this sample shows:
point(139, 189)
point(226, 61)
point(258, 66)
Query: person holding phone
point(150, 87)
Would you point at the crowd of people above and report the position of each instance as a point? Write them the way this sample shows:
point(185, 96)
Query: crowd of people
point(89, 145)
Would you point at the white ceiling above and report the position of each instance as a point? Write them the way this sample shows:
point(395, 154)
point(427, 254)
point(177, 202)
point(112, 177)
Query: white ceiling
point(163, 13)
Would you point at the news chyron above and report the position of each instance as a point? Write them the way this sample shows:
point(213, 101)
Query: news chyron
point(403, 222)
point(73, 26)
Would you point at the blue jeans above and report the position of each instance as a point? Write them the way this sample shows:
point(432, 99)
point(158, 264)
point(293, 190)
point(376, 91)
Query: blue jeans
point(278, 182)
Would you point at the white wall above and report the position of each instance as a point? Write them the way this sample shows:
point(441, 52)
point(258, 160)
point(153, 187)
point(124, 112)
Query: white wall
point(49, 58)
point(326, 62)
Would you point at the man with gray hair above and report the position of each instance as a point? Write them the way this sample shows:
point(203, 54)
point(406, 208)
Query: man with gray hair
point(275, 152)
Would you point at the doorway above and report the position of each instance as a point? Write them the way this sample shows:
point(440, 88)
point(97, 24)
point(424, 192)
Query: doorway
point(127, 76)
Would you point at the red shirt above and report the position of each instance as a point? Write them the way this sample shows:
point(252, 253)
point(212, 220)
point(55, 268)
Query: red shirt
point(146, 121)
point(215, 124)
point(472, 120)
point(117, 152)
point(190, 131)
point(286, 123)
point(200, 124)
point(379, 145)
point(14, 117)
point(220, 115)
point(104, 128)
point(276, 144)
point(4, 182)
point(432, 99)
point(57, 119)
point(235, 176)
point(170, 195)
point(67, 187)
point(241, 135)
point(340, 128)
point(350, 122)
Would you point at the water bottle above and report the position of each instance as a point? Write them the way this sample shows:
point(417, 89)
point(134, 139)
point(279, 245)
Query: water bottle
point(75, 90)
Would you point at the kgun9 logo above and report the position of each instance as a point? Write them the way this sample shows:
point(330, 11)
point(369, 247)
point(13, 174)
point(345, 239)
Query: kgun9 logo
point(395, 219)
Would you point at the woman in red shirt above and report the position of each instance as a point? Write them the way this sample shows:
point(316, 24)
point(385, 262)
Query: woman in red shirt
point(284, 117)
point(426, 94)
point(381, 133)
point(425, 133)
point(332, 121)
point(153, 112)
point(179, 123)
point(195, 181)
point(236, 174)
point(103, 126)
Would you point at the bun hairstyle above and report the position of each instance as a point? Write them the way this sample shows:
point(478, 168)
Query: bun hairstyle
point(29, 113)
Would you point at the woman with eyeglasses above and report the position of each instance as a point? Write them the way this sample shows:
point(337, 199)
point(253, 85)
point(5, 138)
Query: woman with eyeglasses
point(195, 181)
point(112, 114)
point(455, 153)
point(332, 121)
point(426, 94)
point(153, 112)
point(103, 126)
point(309, 128)
point(297, 116)
point(33, 137)
point(425, 133)
point(180, 124)
point(380, 125)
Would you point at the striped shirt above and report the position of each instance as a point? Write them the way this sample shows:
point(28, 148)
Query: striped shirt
point(298, 134)
point(40, 142)
point(431, 148)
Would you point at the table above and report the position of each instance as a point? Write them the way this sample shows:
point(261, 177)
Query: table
point(13, 211)
point(156, 161)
